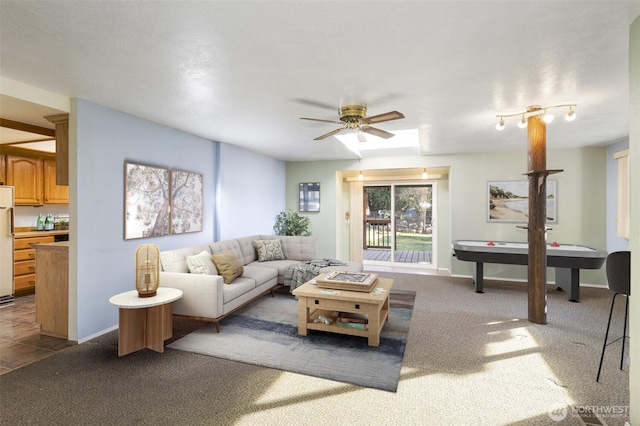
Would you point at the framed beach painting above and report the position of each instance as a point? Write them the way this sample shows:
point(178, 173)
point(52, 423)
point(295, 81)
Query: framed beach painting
point(146, 201)
point(186, 202)
point(508, 201)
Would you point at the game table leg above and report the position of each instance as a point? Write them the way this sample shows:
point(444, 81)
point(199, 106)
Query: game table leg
point(569, 278)
point(478, 277)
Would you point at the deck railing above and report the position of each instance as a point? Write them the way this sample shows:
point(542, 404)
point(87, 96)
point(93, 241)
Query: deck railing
point(378, 233)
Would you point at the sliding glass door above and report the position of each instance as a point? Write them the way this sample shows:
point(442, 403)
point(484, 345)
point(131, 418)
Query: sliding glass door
point(399, 223)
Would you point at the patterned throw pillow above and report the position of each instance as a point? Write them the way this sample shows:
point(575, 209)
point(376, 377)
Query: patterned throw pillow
point(229, 266)
point(268, 250)
point(201, 264)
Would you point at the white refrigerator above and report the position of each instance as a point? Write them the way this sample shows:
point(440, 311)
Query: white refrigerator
point(7, 230)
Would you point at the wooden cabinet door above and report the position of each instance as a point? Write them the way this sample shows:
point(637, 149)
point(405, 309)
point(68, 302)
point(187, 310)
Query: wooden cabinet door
point(25, 174)
point(53, 193)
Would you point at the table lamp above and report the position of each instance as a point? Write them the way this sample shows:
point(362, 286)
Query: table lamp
point(147, 270)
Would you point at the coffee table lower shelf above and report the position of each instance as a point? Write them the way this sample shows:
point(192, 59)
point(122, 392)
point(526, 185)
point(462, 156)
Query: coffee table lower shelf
point(313, 302)
point(343, 329)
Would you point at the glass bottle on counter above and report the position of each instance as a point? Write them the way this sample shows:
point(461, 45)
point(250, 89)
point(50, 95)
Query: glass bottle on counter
point(48, 222)
point(39, 223)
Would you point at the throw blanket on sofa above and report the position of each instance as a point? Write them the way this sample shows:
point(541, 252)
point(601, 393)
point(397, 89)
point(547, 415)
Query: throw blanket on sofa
point(296, 275)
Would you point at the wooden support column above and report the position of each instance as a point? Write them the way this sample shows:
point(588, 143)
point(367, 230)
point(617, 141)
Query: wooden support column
point(537, 270)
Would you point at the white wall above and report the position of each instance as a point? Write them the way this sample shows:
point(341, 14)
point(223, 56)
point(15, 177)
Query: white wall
point(250, 192)
point(101, 140)
point(462, 201)
point(634, 170)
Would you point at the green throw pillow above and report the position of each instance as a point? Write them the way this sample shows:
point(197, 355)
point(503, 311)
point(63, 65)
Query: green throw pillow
point(269, 250)
point(229, 266)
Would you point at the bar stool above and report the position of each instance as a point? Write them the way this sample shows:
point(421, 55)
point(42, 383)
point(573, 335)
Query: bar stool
point(619, 281)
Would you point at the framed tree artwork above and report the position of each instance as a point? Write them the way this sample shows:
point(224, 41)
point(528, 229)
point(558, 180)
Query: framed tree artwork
point(186, 202)
point(146, 201)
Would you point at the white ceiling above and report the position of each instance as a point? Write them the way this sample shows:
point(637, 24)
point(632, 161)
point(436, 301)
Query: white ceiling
point(244, 72)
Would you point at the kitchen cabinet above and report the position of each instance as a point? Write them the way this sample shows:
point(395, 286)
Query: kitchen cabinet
point(53, 193)
point(33, 174)
point(24, 262)
point(25, 174)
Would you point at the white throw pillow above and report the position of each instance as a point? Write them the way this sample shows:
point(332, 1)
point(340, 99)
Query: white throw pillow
point(201, 264)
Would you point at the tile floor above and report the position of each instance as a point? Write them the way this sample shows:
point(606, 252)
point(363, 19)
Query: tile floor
point(20, 340)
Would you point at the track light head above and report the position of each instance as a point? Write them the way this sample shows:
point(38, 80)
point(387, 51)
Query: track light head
point(500, 125)
point(571, 114)
point(523, 122)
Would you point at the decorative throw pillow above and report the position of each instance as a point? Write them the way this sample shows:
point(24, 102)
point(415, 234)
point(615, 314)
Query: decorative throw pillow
point(269, 250)
point(201, 264)
point(229, 266)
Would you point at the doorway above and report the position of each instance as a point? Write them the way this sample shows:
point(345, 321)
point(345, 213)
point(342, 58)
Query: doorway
point(399, 224)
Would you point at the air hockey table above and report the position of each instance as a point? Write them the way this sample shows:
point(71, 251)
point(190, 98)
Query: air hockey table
point(568, 259)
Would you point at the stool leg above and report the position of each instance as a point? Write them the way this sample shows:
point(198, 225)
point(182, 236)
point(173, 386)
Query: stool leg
point(606, 336)
point(624, 332)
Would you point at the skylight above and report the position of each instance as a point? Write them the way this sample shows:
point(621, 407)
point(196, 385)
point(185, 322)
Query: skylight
point(403, 139)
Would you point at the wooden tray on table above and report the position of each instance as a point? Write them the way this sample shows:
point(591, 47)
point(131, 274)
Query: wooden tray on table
point(351, 281)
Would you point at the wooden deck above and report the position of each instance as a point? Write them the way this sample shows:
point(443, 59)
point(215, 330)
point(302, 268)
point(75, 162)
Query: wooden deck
point(403, 256)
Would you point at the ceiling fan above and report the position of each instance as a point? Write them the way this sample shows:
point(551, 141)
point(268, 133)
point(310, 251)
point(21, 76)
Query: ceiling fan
point(354, 117)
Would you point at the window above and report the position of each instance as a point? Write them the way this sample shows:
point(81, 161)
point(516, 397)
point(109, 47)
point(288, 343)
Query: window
point(622, 214)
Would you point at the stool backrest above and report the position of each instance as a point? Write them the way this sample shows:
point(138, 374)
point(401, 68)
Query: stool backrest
point(619, 272)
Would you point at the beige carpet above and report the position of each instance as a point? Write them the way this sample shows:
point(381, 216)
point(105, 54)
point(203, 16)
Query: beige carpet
point(470, 359)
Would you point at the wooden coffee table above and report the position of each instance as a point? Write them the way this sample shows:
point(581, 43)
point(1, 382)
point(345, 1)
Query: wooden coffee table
point(314, 301)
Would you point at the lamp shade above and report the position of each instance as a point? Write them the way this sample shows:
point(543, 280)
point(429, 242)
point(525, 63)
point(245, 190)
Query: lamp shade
point(147, 270)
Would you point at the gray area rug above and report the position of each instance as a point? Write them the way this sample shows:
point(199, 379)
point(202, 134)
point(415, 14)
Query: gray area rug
point(265, 333)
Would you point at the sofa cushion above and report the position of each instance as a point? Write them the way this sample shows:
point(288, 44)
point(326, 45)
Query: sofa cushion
point(176, 260)
point(238, 288)
point(247, 248)
point(260, 273)
point(202, 264)
point(278, 265)
point(229, 266)
point(269, 250)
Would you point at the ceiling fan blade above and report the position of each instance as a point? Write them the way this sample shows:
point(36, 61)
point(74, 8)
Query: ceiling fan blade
point(387, 116)
point(377, 132)
point(322, 121)
point(326, 135)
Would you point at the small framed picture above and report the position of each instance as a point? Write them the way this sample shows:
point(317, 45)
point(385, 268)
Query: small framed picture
point(310, 197)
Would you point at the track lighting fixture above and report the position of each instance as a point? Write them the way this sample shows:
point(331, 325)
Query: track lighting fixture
point(536, 110)
point(571, 115)
point(523, 122)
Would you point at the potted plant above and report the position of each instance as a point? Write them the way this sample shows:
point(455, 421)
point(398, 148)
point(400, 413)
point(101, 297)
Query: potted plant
point(289, 222)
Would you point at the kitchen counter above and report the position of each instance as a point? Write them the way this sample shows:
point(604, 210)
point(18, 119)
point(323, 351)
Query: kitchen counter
point(52, 283)
point(27, 234)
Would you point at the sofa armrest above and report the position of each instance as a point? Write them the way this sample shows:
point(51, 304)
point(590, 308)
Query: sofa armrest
point(202, 295)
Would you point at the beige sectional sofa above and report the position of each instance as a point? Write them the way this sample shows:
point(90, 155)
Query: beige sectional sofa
point(205, 295)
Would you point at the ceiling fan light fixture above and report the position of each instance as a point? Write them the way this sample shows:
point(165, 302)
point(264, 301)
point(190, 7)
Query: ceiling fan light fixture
point(500, 124)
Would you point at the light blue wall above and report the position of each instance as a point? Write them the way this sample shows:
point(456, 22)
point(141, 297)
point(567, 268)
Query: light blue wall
point(250, 192)
point(243, 192)
point(105, 139)
point(614, 243)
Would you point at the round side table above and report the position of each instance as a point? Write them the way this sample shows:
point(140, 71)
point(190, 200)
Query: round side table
point(144, 322)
